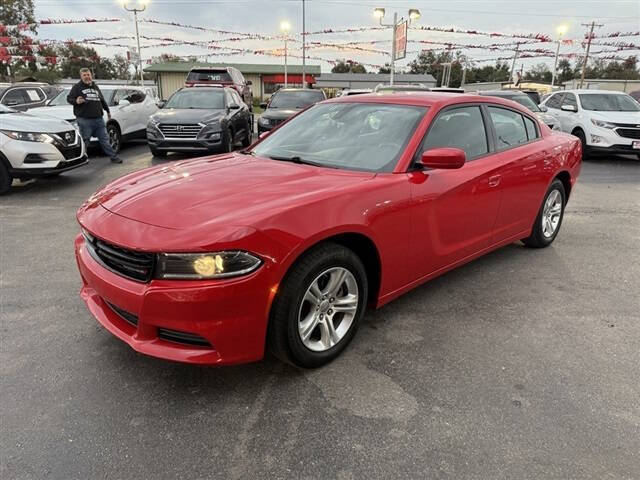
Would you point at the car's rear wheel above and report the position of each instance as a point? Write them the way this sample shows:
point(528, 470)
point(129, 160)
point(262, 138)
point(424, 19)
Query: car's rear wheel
point(583, 141)
point(318, 307)
point(157, 153)
point(115, 138)
point(549, 218)
point(5, 179)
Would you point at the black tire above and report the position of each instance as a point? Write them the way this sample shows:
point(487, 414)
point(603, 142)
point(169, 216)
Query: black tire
point(246, 141)
point(583, 140)
point(227, 141)
point(538, 239)
point(157, 153)
point(5, 179)
point(115, 137)
point(283, 336)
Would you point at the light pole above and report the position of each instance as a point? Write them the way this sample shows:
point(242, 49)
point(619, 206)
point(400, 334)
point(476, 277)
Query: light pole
point(135, 11)
point(285, 27)
point(414, 14)
point(562, 29)
point(304, 49)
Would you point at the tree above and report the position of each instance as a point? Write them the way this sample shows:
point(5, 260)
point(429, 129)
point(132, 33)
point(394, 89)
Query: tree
point(385, 69)
point(14, 13)
point(73, 57)
point(348, 66)
point(539, 73)
point(564, 72)
point(121, 67)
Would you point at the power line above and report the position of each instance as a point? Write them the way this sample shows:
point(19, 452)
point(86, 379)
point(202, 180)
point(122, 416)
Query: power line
point(586, 55)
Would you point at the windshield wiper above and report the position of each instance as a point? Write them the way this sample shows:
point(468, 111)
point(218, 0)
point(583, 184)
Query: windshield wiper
point(293, 159)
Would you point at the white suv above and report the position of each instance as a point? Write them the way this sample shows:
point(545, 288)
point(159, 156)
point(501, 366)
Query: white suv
point(130, 106)
point(31, 146)
point(604, 121)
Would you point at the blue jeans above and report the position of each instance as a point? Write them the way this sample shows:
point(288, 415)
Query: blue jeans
point(95, 127)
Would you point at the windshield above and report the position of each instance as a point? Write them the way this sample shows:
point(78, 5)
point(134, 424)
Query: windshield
point(196, 98)
point(60, 99)
point(609, 102)
point(297, 100)
point(209, 76)
point(352, 136)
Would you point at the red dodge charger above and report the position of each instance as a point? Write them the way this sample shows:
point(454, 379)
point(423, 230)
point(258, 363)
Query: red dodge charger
point(349, 204)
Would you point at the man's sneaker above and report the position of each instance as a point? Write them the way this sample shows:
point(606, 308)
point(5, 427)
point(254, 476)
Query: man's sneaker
point(116, 160)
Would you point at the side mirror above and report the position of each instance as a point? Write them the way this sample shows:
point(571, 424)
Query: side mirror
point(543, 108)
point(443, 158)
point(233, 106)
point(124, 103)
point(263, 105)
point(160, 104)
point(568, 108)
point(249, 82)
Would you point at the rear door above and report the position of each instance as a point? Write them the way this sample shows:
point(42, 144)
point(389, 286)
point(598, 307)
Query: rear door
point(521, 157)
point(454, 211)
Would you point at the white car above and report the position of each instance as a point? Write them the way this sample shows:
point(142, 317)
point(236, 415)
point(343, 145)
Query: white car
point(33, 146)
point(130, 106)
point(604, 121)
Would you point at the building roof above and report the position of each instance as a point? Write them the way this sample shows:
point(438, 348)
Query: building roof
point(269, 69)
point(377, 77)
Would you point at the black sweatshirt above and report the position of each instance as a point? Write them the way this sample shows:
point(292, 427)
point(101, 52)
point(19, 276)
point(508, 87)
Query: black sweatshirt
point(93, 100)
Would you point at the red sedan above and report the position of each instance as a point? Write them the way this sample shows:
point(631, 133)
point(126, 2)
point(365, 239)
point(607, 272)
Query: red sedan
point(349, 204)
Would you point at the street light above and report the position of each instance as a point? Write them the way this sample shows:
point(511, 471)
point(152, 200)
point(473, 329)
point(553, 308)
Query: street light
point(285, 27)
point(562, 29)
point(143, 4)
point(414, 14)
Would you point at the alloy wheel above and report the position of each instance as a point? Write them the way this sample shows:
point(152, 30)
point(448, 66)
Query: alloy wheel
point(551, 213)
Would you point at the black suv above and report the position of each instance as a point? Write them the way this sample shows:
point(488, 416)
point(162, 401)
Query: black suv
point(284, 104)
point(222, 77)
point(25, 95)
point(203, 119)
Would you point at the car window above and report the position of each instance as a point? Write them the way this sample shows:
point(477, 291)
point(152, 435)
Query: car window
point(34, 95)
point(209, 98)
point(14, 97)
point(609, 102)
point(352, 136)
point(230, 99)
point(532, 131)
point(240, 77)
point(295, 98)
point(509, 126)
point(570, 99)
point(555, 101)
point(135, 96)
point(118, 95)
point(462, 128)
point(236, 97)
point(60, 99)
point(209, 76)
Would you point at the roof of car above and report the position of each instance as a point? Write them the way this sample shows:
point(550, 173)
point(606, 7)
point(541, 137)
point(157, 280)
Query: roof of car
point(589, 91)
point(506, 93)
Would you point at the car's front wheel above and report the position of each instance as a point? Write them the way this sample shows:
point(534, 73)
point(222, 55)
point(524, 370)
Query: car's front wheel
point(115, 138)
point(319, 306)
point(583, 141)
point(5, 179)
point(549, 218)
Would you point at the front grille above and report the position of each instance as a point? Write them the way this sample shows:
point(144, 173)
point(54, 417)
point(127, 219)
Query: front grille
point(182, 337)
point(627, 125)
point(628, 132)
point(126, 316)
point(128, 263)
point(172, 130)
point(70, 153)
point(68, 138)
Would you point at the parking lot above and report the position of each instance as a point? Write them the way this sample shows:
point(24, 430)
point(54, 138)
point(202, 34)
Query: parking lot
point(522, 364)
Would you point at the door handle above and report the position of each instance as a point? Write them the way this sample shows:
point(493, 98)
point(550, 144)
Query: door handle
point(494, 181)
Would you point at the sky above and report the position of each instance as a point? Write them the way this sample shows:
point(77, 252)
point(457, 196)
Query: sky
point(264, 17)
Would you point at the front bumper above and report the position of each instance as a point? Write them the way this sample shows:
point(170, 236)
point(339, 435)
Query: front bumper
point(229, 317)
point(39, 158)
point(614, 150)
point(61, 167)
point(606, 139)
point(157, 141)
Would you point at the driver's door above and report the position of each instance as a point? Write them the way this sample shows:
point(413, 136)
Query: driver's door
point(122, 113)
point(454, 211)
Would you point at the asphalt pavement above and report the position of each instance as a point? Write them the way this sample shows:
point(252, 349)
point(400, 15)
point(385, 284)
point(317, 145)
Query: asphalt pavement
point(523, 364)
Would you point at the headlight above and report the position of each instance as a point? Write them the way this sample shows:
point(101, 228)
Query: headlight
point(153, 121)
point(602, 124)
point(29, 136)
point(200, 266)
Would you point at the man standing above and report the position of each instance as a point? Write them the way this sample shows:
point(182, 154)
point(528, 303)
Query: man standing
point(88, 103)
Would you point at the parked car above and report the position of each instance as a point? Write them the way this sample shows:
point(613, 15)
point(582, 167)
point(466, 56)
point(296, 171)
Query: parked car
point(284, 104)
point(33, 146)
point(26, 95)
point(221, 76)
point(130, 108)
point(606, 122)
point(401, 88)
point(525, 100)
point(349, 204)
point(207, 119)
point(353, 91)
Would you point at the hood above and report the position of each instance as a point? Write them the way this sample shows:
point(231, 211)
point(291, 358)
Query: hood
point(615, 117)
point(280, 113)
point(27, 122)
point(63, 112)
point(188, 115)
point(226, 189)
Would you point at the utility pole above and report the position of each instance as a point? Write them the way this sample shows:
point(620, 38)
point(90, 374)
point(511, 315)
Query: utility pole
point(304, 49)
point(513, 65)
point(586, 55)
point(135, 17)
point(393, 48)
